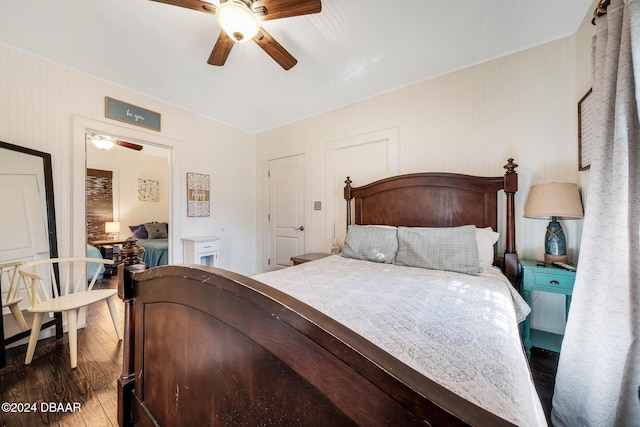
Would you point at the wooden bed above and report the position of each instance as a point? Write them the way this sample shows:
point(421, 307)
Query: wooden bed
point(205, 346)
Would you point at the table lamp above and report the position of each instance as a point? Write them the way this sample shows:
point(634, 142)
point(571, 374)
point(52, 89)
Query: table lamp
point(112, 229)
point(557, 200)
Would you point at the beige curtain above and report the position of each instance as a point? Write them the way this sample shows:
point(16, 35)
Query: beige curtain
point(598, 379)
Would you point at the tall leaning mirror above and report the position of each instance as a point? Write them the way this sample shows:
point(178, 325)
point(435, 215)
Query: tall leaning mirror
point(27, 228)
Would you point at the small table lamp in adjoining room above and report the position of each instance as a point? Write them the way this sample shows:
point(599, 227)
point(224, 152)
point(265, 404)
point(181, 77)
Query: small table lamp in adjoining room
point(557, 200)
point(112, 229)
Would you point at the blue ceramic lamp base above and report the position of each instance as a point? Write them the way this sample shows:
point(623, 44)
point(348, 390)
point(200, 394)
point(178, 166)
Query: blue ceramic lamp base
point(555, 244)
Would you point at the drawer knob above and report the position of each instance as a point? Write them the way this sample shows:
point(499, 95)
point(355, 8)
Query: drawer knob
point(554, 282)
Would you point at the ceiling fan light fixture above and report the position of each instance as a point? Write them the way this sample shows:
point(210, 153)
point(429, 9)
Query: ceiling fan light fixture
point(103, 142)
point(237, 20)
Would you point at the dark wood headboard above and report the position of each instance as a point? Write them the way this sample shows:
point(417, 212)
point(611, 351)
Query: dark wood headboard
point(435, 199)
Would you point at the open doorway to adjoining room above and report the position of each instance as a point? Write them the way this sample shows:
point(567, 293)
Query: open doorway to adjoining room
point(127, 191)
point(157, 165)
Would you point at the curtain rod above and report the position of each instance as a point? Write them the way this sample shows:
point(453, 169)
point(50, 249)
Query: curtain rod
point(601, 10)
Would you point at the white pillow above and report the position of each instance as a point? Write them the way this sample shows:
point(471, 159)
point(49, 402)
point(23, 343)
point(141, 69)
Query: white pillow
point(486, 238)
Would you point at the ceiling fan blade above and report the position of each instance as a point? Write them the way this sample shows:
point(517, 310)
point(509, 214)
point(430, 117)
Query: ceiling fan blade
point(277, 9)
point(200, 6)
point(275, 49)
point(129, 145)
point(221, 50)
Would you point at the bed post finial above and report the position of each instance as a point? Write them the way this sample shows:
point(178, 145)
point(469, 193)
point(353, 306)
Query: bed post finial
point(510, 166)
point(130, 255)
point(347, 189)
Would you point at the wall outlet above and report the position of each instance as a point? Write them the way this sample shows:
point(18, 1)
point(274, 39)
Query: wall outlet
point(317, 206)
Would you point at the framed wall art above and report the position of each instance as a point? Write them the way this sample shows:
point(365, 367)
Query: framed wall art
point(586, 130)
point(148, 190)
point(198, 194)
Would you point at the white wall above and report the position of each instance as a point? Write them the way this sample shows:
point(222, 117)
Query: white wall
point(523, 106)
point(47, 107)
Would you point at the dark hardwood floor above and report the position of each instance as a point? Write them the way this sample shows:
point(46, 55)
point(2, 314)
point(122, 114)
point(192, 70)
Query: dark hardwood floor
point(544, 365)
point(52, 385)
point(55, 388)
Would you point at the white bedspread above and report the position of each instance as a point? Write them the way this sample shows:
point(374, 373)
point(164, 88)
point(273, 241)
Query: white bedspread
point(459, 330)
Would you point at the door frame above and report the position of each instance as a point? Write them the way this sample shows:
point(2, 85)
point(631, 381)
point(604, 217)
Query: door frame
point(82, 125)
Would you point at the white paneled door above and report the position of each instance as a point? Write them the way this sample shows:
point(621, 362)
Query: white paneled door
point(286, 210)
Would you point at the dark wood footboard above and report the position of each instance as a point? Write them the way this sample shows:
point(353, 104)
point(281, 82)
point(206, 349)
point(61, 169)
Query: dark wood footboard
point(204, 346)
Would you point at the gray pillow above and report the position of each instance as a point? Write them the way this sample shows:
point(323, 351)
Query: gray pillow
point(447, 248)
point(156, 230)
point(371, 243)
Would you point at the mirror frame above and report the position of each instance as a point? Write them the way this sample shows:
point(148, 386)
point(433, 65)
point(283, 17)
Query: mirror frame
point(52, 238)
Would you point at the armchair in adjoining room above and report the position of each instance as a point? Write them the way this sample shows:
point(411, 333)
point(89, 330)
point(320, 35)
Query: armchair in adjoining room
point(71, 290)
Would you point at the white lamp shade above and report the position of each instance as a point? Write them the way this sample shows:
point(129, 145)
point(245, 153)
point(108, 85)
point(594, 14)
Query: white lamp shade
point(559, 199)
point(111, 227)
point(237, 20)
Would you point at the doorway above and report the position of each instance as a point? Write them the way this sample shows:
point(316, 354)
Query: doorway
point(286, 210)
point(125, 189)
point(152, 143)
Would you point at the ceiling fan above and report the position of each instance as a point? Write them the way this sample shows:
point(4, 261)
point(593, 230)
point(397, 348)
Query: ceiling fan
point(239, 20)
point(104, 142)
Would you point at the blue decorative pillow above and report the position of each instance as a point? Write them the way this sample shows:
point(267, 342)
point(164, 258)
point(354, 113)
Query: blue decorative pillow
point(139, 231)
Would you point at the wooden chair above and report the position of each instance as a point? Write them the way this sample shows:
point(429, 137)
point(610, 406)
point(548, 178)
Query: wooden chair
point(42, 276)
point(12, 297)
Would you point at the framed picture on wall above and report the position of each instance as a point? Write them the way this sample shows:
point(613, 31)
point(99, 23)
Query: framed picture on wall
point(148, 190)
point(586, 130)
point(197, 194)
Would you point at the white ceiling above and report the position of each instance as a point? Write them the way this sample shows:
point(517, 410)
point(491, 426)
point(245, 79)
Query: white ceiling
point(351, 50)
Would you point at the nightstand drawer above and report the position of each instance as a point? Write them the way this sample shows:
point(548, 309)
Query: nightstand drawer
point(201, 250)
point(208, 246)
point(550, 282)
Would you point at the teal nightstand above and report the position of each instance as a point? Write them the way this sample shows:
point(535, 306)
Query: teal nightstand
point(544, 279)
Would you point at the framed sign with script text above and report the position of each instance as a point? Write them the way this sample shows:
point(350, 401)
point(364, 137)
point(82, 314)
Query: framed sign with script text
point(121, 111)
point(197, 194)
